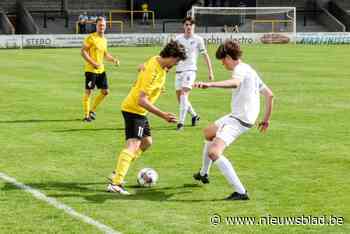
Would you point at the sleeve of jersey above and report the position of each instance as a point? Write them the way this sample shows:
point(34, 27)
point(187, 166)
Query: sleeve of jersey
point(87, 42)
point(202, 49)
point(147, 78)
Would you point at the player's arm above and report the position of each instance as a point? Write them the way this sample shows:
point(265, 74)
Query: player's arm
point(267, 93)
point(210, 67)
point(112, 59)
point(206, 57)
point(85, 54)
point(145, 103)
point(231, 83)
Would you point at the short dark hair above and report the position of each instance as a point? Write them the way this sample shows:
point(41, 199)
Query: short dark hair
point(230, 48)
point(175, 50)
point(188, 18)
point(100, 18)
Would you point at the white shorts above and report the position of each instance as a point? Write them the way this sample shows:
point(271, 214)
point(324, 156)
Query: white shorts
point(229, 129)
point(185, 79)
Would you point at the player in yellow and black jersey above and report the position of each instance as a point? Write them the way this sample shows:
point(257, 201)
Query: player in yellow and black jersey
point(138, 103)
point(94, 51)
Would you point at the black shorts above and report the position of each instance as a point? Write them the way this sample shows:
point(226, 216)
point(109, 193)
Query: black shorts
point(136, 126)
point(94, 79)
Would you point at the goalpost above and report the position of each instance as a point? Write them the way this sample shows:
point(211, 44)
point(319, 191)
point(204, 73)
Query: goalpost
point(246, 19)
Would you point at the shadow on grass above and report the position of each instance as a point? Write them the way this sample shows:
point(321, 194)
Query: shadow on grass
point(156, 128)
point(92, 192)
point(39, 120)
point(59, 186)
point(89, 129)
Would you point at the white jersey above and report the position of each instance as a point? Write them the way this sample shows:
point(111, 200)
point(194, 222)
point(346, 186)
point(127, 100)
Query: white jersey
point(246, 99)
point(194, 46)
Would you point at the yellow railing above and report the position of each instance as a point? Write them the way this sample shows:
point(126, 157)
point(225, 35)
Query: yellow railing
point(272, 22)
point(132, 16)
point(109, 22)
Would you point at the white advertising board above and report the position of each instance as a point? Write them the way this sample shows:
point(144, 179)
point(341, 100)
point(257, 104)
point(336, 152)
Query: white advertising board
point(159, 39)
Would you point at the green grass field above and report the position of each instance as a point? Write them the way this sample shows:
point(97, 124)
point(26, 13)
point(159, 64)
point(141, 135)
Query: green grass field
point(300, 167)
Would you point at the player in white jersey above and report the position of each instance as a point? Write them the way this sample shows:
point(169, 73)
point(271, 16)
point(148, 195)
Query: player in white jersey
point(246, 88)
point(186, 70)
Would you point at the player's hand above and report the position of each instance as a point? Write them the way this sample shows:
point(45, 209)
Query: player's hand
point(141, 67)
point(116, 62)
point(96, 65)
point(170, 117)
point(201, 85)
point(263, 126)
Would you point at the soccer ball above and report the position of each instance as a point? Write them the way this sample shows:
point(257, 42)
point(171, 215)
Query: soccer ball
point(147, 177)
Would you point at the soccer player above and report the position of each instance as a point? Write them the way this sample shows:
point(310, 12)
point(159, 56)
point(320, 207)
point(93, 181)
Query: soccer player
point(186, 70)
point(245, 107)
point(94, 51)
point(138, 103)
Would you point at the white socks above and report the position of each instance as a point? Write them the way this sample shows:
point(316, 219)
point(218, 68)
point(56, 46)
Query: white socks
point(190, 109)
point(227, 170)
point(206, 162)
point(185, 106)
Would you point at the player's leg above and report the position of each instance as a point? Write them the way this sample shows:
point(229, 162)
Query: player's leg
point(125, 157)
point(190, 82)
point(137, 133)
point(183, 107)
point(178, 85)
point(203, 174)
point(188, 79)
point(178, 88)
point(102, 84)
point(146, 141)
point(228, 132)
point(178, 95)
point(90, 82)
point(195, 117)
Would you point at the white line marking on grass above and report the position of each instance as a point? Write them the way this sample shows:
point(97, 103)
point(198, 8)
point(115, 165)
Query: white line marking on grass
point(53, 202)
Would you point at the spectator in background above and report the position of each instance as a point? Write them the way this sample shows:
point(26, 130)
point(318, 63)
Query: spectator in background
point(83, 18)
point(144, 7)
point(92, 23)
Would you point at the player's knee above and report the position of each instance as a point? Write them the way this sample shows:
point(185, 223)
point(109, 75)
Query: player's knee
point(88, 92)
point(213, 153)
point(105, 92)
point(208, 135)
point(132, 149)
point(184, 91)
point(146, 143)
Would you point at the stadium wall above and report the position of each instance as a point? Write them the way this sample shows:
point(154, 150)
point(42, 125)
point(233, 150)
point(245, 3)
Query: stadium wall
point(75, 40)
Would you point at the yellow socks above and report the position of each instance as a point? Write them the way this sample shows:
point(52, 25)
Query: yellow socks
point(99, 98)
point(124, 160)
point(86, 105)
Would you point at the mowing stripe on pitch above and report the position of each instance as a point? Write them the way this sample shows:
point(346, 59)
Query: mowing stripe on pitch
point(53, 202)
